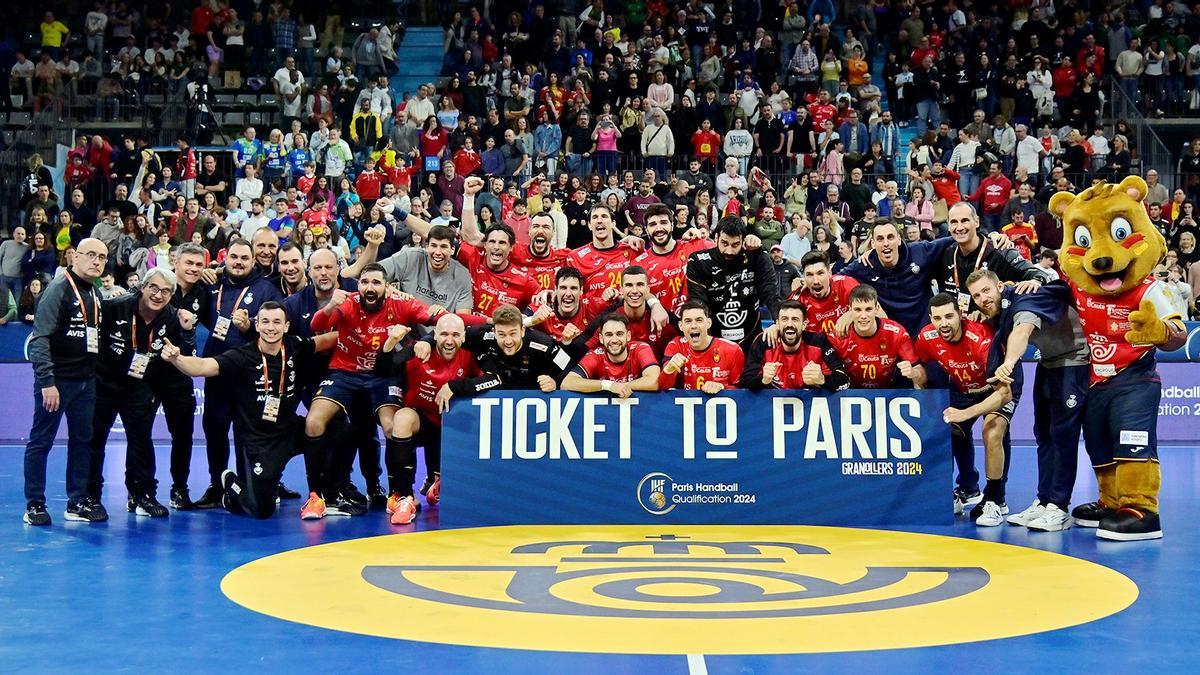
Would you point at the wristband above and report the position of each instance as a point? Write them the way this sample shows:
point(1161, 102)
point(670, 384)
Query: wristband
point(606, 385)
point(652, 302)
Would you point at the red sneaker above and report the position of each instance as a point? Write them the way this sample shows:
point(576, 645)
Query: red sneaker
point(314, 508)
point(406, 511)
point(434, 494)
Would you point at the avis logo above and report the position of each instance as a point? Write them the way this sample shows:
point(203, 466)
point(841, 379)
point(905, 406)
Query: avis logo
point(654, 494)
point(632, 579)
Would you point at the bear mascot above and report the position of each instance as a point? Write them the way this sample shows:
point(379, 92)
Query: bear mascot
point(1110, 249)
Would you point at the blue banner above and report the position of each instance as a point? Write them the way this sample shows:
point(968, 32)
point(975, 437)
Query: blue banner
point(862, 458)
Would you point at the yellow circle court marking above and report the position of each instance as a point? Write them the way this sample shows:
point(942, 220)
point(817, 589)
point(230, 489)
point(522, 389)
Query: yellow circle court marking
point(681, 589)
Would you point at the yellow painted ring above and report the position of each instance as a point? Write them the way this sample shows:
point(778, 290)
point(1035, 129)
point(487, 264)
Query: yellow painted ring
point(704, 589)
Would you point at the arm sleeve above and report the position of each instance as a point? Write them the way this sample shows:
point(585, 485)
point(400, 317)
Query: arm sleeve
point(752, 370)
point(836, 378)
point(697, 281)
point(45, 323)
point(767, 283)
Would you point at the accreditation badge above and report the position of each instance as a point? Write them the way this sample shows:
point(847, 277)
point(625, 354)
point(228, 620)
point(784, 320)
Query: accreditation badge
point(271, 409)
point(221, 329)
point(137, 367)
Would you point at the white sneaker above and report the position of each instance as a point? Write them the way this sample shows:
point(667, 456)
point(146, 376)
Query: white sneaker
point(1025, 517)
point(992, 515)
point(1052, 519)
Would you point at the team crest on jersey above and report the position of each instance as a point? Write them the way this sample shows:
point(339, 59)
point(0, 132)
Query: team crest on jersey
point(916, 269)
point(1072, 401)
point(249, 299)
point(196, 305)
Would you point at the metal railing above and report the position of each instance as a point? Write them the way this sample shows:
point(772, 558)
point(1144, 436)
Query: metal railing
point(44, 133)
point(1150, 151)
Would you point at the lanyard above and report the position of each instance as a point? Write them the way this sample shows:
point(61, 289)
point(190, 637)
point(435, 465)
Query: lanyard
point(134, 336)
point(282, 370)
point(237, 302)
point(83, 307)
point(978, 259)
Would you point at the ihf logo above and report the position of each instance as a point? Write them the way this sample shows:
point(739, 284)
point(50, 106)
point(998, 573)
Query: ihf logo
point(653, 493)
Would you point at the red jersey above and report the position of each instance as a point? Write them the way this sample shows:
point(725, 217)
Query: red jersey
point(601, 267)
point(791, 366)
point(871, 361)
point(721, 362)
point(640, 330)
point(555, 325)
point(317, 220)
point(368, 185)
point(823, 313)
point(1106, 320)
point(401, 176)
point(466, 162)
point(668, 271)
point(945, 186)
point(964, 361)
point(185, 165)
point(705, 144)
point(425, 378)
point(541, 269)
point(510, 286)
point(596, 366)
point(305, 183)
point(1023, 237)
point(361, 335)
point(821, 112)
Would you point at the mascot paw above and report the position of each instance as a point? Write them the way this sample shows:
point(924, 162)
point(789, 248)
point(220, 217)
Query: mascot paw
point(1145, 328)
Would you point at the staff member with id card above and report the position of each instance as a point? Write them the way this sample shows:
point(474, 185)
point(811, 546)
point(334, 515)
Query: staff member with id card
point(63, 348)
point(235, 301)
point(132, 334)
point(265, 392)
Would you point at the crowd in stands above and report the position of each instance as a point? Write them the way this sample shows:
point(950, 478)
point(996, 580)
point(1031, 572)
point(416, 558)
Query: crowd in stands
point(771, 111)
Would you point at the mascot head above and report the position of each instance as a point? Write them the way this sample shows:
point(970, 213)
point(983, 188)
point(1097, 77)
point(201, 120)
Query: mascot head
point(1110, 245)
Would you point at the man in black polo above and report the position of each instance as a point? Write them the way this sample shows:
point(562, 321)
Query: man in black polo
point(174, 390)
point(63, 349)
point(133, 328)
point(265, 391)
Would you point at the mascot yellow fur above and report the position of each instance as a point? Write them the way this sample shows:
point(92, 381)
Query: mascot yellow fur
point(1109, 252)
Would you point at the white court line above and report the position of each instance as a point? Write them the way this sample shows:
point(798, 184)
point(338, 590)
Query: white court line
point(696, 665)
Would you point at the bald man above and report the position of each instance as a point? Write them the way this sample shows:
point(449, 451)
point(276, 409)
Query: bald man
point(428, 387)
point(64, 347)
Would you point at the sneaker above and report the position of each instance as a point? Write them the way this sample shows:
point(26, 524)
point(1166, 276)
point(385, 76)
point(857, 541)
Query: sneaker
point(146, 506)
point(211, 498)
point(1052, 519)
point(342, 505)
point(1090, 514)
point(180, 499)
point(36, 514)
point(350, 492)
point(86, 511)
point(958, 506)
point(285, 492)
point(314, 508)
point(230, 491)
point(393, 503)
point(991, 514)
point(967, 498)
point(376, 497)
point(1023, 518)
point(434, 494)
point(1126, 524)
point(406, 511)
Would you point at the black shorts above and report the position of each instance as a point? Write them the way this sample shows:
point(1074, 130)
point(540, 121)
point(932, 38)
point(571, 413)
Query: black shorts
point(342, 388)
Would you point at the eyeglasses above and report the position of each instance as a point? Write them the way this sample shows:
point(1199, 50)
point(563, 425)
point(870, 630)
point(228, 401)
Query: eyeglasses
point(156, 291)
point(92, 255)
